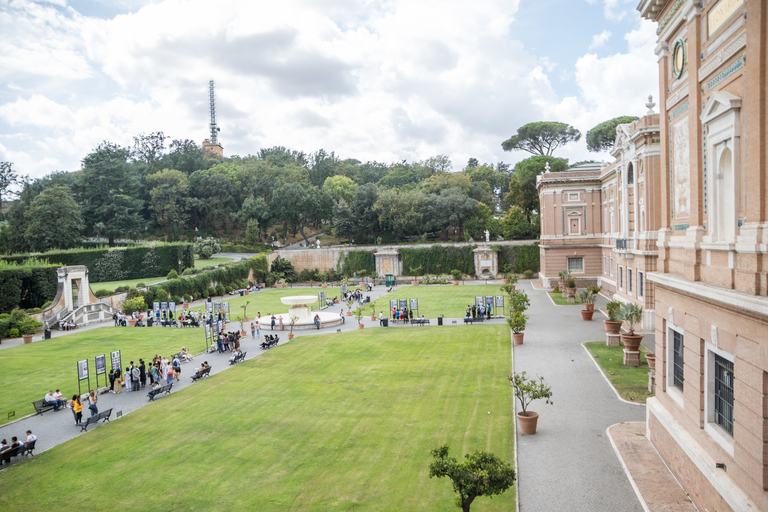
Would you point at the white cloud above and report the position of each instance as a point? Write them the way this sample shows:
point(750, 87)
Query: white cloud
point(600, 39)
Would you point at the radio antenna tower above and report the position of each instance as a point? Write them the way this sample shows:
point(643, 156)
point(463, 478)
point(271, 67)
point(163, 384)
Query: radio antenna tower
point(214, 128)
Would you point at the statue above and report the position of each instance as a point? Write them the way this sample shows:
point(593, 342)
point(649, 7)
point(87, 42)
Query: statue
point(487, 236)
point(317, 242)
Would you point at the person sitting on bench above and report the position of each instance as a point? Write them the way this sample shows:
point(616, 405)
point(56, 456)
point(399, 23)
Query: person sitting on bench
point(50, 399)
point(235, 355)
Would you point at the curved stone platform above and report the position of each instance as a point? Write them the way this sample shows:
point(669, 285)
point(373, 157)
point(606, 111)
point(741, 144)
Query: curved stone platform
point(326, 320)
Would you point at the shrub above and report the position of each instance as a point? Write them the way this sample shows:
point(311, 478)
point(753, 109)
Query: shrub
point(228, 289)
point(528, 274)
point(207, 268)
point(571, 283)
point(121, 289)
point(172, 275)
point(176, 299)
point(101, 293)
point(45, 304)
point(141, 285)
point(211, 292)
point(132, 305)
point(205, 249)
point(187, 298)
point(456, 274)
point(13, 333)
point(133, 293)
point(220, 290)
point(189, 271)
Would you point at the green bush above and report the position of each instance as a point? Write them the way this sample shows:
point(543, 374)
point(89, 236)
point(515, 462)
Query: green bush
point(176, 299)
point(208, 267)
point(519, 258)
point(121, 289)
point(205, 249)
point(220, 290)
point(437, 260)
point(528, 274)
point(189, 271)
point(187, 298)
point(133, 293)
point(141, 285)
point(102, 293)
point(13, 333)
point(45, 304)
point(132, 305)
point(172, 275)
point(26, 286)
point(210, 292)
point(359, 263)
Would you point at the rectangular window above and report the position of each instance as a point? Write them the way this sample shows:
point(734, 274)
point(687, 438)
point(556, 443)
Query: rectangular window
point(724, 393)
point(621, 277)
point(677, 359)
point(605, 265)
point(576, 264)
point(611, 265)
point(629, 279)
point(639, 284)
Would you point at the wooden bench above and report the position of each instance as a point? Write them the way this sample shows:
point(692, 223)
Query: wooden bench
point(159, 391)
point(201, 373)
point(419, 321)
point(470, 320)
point(42, 406)
point(102, 416)
point(239, 358)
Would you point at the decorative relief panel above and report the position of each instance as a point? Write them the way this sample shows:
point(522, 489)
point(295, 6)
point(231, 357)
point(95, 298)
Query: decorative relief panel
point(681, 169)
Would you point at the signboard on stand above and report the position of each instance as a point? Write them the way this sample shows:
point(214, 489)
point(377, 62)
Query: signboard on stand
point(82, 374)
point(414, 304)
point(101, 368)
point(115, 359)
point(500, 303)
point(172, 307)
point(392, 304)
point(403, 304)
point(156, 306)
point(478, 301)
point(164, 306)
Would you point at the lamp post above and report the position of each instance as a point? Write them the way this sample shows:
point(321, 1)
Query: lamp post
point(179, 267)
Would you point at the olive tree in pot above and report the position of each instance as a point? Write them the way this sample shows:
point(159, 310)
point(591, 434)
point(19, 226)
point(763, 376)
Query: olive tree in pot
point(632, 314)
point(291, 322)
point(359, 315)
point(588, 299)
point(613, 324)
point(517, 322)
point(526, 391)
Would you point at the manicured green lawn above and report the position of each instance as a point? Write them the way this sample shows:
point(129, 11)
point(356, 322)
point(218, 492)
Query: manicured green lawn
point(630, 382)
point(27, 372)
point(324, 423)
point(112, 285)
point(563, 301)
point(448, 300)
point(268, 301)
point(211, 262)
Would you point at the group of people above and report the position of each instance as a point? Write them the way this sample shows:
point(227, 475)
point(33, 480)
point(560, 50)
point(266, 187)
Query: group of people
point(403, 314)
point(227, 342)
point(476, 311)
point(354, 295)
point(56, 399)
point(135, 376)
point(68, 326)
point(6, 449)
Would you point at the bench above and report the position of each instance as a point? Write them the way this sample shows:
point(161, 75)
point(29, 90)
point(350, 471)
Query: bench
point(269, 343)
point(159, 391)
point(201, 373)
point(7, 455)
point(102, 416)
point(420, 321)
point(470, 320)
point(42, 406)
point(239, 359)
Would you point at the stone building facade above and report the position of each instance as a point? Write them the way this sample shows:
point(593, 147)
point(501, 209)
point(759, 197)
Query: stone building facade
point(601, 222)
point(709, 418)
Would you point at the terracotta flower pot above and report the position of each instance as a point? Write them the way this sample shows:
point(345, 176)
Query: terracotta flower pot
point(528, 422)
point(278, 286)
point(27, 338)
point(612, 327)
point(373, 318)
point(518, 337)
point(186, 305)
point(290, 335)
point(586, 314)
point(360, 326)
point(455, 283)
point(132, 322)
point(243, 334)
point(505, 281)
point(325, 285)
point(632, 341)
point(651, 359)
point(247, 292)
point(590, 306)
point(414, 283)
point(348, 313)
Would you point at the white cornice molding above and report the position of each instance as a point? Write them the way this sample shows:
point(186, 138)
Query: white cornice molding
point(750, 303)
point(722, 56)
point(677, 96)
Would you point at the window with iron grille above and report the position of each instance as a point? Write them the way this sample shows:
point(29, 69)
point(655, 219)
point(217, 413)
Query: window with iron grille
point(629, 279)
point(724, 393)
point(605, 265)
point(677, 360)
point(639, 284)
point(576, 264)
point(621, 277)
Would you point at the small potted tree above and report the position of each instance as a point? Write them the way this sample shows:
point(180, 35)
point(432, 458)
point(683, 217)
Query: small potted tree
point(526, 391)
point(571, 290)
point(359, 316)
point(245, 311)
point(613, 324)
point(588, 299)
point(564, 276)
point(593, 290)
point(517, 322)
point(456, 274)
point(291, 322)
point(373, 312)
point(632, 314)
point(241, 321)
point(518, 300)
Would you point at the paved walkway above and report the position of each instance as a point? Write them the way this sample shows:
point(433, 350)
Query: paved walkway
point(569, 465)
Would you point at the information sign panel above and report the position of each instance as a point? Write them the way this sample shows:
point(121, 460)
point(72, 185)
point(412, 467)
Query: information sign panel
point(82, 369)
point(164, 306)
point(226, 307)
point(392, 304)
point(414, 303)
point(499, 301)
point(403, 303)
point(115, 358)
point(209, 307)
point(156, 306)
point(478, 301)
point(101, 364)
point(172, 307)
point(207, 331)
point(489, 301)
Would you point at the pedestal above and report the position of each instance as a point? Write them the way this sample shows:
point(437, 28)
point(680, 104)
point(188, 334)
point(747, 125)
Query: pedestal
point(631, 358)
point(651, 380)
point(612, 340)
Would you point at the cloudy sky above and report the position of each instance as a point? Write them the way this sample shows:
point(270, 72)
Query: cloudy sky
point(385, 80)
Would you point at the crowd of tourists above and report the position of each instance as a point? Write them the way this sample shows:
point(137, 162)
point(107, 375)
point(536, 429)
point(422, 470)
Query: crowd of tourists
point(474, 311)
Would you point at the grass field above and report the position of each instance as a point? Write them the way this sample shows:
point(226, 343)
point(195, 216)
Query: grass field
point(563, 301)
point(112, 285)
point(29, 371)
point(211, 261)
point(268, 301)
point(630, 382)
point(324, 423)
point(448, 300)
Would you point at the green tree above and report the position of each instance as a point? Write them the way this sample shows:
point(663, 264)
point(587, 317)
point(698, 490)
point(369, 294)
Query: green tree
point(340, 188)
point(322, 165)
point(205, 249)
point(252, 235)
point(108, 192)
point(55, 220)
point(522, 185)
point(479, 474)
point(601, 137)
point(541, 138)
point(301, 206)
point(148, 148)
point(399, 211)
point(256, 210)
point(169, 199)
point(8, 179)
point(516, 225)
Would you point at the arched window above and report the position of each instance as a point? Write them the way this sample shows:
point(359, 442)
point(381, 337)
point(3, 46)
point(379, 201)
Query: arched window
point(725, 211)
point(630, 175)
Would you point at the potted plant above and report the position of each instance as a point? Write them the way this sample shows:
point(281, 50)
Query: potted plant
point(416, 271)
point(563, 275)
point(373, 312)
point(613, 324)
point(593, 290)
point(632, 314)
point(349, 306)
point(517, 322)
point(518, 300)
point(132, 305)
point(526, 391)
point(456, 274)
point(512, 278)
point(245, 311)
point(359, 316)
point(291, 322)
point(571, 290)
point(651, 360)
point(241, 321)
point(588, 300)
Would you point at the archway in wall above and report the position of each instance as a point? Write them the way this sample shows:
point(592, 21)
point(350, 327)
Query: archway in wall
point(726, 197)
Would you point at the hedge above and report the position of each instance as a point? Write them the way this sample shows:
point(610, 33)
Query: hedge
point(438, 259)
point(356, 262)
point(199, 284)
point(519, 257)
point(27, 287)
point(121, 263)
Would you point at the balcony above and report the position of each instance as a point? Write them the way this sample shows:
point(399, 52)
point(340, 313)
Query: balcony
point(622, 244)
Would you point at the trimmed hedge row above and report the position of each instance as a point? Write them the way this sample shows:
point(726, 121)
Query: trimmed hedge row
point(117, 264)
point(27, 287)
point(519, 257)
point(198, 285)
point(356, 262)
point(438, 259)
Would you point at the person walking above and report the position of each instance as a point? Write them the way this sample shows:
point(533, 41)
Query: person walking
point(142, 373)
point(118, 381)
point(281, 322)
point(93, 399)
point(253, 330)
point(77, 409)
point(169, 375)
point(258, 329)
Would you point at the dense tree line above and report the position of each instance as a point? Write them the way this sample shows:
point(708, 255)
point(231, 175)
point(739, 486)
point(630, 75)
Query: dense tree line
point(176, 192)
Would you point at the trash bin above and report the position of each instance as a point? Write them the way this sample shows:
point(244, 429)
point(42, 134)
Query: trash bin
point(242, 293)
point(439, 320)
point(385, 322)
point(47, 334)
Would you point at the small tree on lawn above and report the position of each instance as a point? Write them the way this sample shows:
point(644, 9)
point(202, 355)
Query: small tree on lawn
point(528, 390)
point(479, 474)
